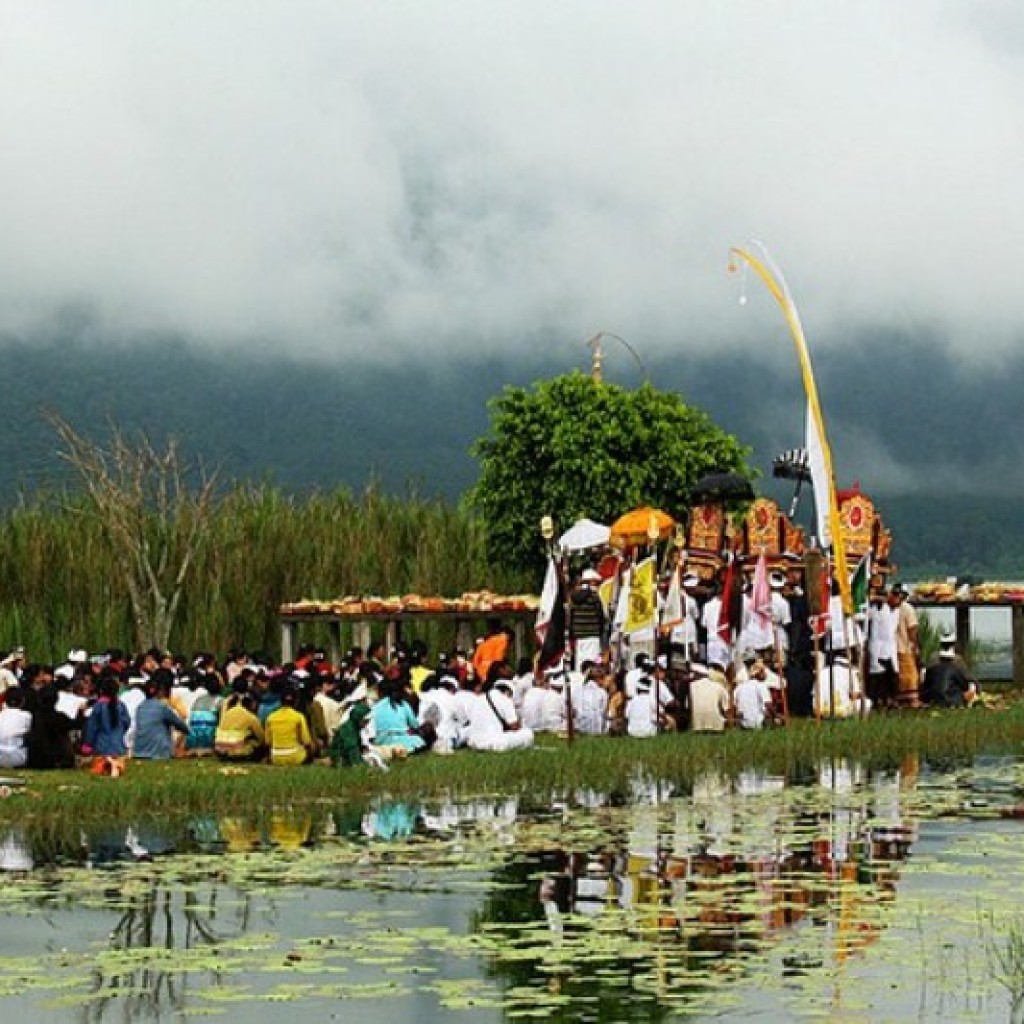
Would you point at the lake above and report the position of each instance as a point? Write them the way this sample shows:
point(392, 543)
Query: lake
point(841, 892)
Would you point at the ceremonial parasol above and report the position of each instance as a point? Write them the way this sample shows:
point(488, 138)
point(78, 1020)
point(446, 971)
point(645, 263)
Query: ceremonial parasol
point(639, 526)
point(584, 534)
point(720, 488)
point(794, 464)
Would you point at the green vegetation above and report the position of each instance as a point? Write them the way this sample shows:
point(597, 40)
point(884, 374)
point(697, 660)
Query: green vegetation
point(599, 763)
point(574, 447)
point(62, 587)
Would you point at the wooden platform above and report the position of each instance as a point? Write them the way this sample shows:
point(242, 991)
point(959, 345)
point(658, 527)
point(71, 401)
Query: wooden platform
point(389, 626)
point(962, 619)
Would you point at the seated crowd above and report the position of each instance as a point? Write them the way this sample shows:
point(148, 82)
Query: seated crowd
point(373, 708)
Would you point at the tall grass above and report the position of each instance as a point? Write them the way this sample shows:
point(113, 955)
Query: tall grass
point(263, 546)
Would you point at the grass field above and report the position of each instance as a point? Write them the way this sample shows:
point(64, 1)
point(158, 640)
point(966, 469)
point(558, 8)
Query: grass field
point(166, 789)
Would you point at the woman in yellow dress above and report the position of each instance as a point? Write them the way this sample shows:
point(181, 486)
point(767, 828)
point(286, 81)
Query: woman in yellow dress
point(287, 733)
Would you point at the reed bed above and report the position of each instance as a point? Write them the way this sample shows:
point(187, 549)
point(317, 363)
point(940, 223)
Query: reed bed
point(262, 547)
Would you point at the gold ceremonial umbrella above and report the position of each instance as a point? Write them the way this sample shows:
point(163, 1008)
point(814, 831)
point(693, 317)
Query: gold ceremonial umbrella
point(639, 526)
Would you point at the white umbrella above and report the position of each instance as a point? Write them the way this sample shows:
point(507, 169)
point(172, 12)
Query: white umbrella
point(584, 534)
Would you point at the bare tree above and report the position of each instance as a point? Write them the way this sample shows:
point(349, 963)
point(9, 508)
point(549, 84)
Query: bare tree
point(154, 507)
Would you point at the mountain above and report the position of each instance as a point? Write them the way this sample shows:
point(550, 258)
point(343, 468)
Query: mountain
point(937, 445)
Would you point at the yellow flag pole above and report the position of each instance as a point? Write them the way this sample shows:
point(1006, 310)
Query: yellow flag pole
point(780, 292)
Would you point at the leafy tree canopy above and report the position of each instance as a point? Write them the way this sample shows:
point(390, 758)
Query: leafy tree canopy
point(571, 447)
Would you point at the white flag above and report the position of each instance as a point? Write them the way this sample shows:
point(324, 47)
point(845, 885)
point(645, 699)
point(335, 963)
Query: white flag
point(819, 478)
point(548, 597)
point(672, 609)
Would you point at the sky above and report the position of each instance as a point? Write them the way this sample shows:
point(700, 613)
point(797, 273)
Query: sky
point(375, 179)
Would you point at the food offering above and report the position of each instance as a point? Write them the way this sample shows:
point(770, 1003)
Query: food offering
point(477, 602)
point(947, 592)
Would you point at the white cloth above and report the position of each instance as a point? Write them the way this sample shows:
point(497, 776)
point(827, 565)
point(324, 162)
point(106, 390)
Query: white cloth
point(591, 710)
point(751, 699)
point(332, 712)
point(131, 699)
point(709, 704)
point(533, 708)
point(881, 637)
point(14, 728)
point(520, 686)
point(486, 731)
point(640, 716)
point(717, 650)
point(838, 693)
point(440, 705)
point(552, 711)
point(71, 704)
point(685, 632)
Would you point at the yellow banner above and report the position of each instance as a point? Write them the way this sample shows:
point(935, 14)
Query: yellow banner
point(641, 598)
point(816, 434)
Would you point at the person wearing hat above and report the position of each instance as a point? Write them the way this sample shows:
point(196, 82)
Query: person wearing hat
point(11, 668)
point(946, 682)
point(587, 619)
point(908, 648)
point(710, 703)
point(838, 690)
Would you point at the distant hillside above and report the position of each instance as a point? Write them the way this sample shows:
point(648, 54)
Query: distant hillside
point(305, 425)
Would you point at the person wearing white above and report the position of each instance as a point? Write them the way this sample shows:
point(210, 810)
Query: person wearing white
point(640, 711)
point(709, 702)
point(11, 668)
point(591, 710)
point(522, 681)
point(439, 706)
point(131, 699)
point(752, 699)
point(685, 633)
point(757, 633)
point(493, 725)
point(642, 666)
point(533, 706)
point(838, 690)
point(882, 659)
point(718, 651)
point(552, 708)
point(15, 723)
point(782, 615)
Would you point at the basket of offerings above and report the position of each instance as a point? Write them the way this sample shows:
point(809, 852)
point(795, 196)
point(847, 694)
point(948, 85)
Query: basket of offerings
point(479, 602)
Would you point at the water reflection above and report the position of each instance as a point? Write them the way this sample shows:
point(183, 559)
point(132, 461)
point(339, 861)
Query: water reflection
point(624, 905)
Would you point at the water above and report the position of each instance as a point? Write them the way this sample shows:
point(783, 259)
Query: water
point(841, 892)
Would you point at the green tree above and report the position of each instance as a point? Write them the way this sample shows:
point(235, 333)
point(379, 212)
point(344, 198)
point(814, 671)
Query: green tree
point(572, 447)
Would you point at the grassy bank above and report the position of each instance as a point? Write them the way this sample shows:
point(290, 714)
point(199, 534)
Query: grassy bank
point(206, 787)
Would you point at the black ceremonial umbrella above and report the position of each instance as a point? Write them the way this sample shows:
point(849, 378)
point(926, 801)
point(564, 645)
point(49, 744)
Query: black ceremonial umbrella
point(721, 489)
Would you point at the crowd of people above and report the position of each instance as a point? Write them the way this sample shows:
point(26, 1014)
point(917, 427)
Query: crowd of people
point(378, 705)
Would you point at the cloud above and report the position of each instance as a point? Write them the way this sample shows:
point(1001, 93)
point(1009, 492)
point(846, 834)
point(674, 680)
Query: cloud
point(443, 177)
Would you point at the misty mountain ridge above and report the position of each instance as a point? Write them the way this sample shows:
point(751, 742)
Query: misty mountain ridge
point(935, 444)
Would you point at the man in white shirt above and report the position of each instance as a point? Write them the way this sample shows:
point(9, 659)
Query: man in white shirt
point(881, 628)
point(591, 709)
point(493, 724)
point(640, 721)
point(752, 698)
